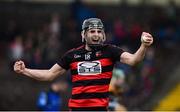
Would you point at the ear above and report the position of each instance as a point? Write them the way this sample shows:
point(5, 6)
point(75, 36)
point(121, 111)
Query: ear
point(82, 35)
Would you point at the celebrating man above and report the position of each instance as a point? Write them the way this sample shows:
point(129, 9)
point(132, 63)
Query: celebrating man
point(91, 66)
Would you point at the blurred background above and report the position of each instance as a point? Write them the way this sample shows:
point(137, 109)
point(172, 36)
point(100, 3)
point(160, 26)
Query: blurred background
point(39, 32)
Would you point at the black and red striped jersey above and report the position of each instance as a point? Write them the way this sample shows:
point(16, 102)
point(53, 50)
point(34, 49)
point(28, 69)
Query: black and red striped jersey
point(91, 74)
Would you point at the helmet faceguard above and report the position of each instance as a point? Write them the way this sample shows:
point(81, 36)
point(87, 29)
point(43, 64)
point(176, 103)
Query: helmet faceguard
point(92, 23)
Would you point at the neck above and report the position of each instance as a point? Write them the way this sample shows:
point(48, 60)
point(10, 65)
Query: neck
point(93, 47)
point(87, 47)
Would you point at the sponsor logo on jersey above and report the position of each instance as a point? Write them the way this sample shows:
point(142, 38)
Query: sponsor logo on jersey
point(77, 56)
point(98, 54)
point(89, 68)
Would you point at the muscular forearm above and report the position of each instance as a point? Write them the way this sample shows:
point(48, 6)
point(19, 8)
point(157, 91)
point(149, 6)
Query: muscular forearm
point(146, 40)
point(140, 53)
point(42, 75)
point(133, 59)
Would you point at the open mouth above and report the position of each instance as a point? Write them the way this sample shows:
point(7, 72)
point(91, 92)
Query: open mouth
point(95, 41)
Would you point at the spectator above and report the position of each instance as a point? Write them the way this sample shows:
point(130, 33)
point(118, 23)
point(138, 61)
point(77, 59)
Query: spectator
point(51, 100)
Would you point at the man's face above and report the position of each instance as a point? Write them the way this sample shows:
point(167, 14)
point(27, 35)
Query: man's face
point(94, 36)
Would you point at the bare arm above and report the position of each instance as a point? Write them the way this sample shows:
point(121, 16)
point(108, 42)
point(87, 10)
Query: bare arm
point(42, 75)
point(132, 59)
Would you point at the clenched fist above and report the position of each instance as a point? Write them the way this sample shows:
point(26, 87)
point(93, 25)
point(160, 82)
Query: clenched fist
point(19, 67)
point(146, 39)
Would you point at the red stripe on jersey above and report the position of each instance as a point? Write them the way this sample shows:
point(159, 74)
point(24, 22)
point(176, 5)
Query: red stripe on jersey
point(74, 65)
point(90, 89)
point(96, 102)
point(104, 62)
point(77, 77)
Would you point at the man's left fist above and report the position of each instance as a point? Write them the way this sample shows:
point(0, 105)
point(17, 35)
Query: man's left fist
point(146, 39)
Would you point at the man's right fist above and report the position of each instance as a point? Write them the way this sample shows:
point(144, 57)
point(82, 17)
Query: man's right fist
point(19, 66)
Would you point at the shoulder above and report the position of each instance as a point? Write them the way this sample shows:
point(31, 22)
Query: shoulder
point(114, 50)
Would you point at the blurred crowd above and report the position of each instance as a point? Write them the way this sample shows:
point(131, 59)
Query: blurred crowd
point(130, 87)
